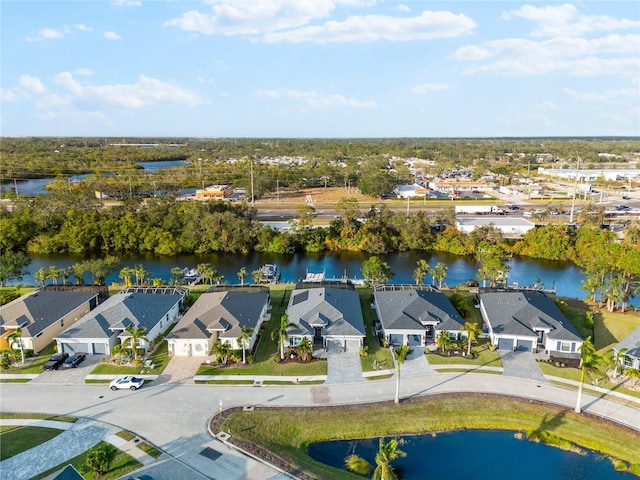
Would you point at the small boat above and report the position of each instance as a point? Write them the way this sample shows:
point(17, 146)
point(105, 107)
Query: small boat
point(190, 273)
point(270, 272)
point(314, 277)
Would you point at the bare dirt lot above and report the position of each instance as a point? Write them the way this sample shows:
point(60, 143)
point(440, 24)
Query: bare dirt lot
point(319, 195)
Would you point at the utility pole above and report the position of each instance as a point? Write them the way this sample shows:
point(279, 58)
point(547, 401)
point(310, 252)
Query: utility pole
point(278, 191)
point(252, 197)
point(575, 191)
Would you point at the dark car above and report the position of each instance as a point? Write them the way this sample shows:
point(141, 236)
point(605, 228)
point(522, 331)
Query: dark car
point(74, 360)
point(55, 361)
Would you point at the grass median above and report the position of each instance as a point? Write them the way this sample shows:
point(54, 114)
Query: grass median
point(286, 433)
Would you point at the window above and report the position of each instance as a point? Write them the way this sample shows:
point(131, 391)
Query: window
point(627, 361)
point(565, 346)
point(62, 322)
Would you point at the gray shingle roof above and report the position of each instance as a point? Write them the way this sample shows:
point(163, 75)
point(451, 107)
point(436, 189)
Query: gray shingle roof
point(518, 313)
point(413, 309)
point(120, 310)
point(632, 343)
point(37, 311)
point(337, 310)
point(228, 311)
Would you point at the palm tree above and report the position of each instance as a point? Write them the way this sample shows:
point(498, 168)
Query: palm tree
point(138, 272)
point(222, 351)
point(439, 273)
point(125, 274)
point(281, 333)
point(357, 465)
point(78, 270)
point(207, 271)
point(177, 274)
point(422, 267)
point(588, 364)
point(442, 340)
point(135, 334)
point(243, 340)
point(305, 348)
point(40, 276)
point(387, 453)
point(473, 331)
point(618, 358)
point(217, 276)
point(16, 337)
point(52, 274)
point(400, 353)
point(242, 274)
point(258, 276)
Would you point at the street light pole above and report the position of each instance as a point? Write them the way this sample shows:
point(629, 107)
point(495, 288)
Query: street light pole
point(575, 191)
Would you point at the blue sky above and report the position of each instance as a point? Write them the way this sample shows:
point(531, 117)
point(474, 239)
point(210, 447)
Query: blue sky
point(320, 68)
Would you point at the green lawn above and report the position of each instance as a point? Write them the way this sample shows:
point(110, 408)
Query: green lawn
point(33, 364)
point(160, 358)
point(122, 465)
point(375, 353)
point(39, 416)
point(485, 356)
point(288, 432)
point(18, 439)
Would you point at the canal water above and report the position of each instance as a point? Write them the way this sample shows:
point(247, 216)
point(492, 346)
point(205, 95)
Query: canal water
point(477, 455)
point(566, 276)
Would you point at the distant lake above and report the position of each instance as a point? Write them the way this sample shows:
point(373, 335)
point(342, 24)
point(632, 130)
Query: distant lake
point(475, 455)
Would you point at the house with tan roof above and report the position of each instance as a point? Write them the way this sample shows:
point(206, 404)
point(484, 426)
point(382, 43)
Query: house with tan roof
point(218, 316)
point(43, 314)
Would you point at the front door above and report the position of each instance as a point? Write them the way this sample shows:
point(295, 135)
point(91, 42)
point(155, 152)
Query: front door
point(317, 335)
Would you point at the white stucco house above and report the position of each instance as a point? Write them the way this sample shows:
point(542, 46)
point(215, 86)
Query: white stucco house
point(414, 315)
point(219, 317)
point(528, 322)
point(96, 333)
point(630, 346)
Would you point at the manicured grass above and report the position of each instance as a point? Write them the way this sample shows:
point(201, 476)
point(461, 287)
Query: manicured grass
point(380, 377)
point(466, 370)
point(275, 382)
point(39, 416)
point(288, 432)
point(375, 353)
point(149, 449)
point(160, 358)
point(14, 380)
point(269, 367)
point(33, 364)
point(485, 356)
point(126, 435)
point(122, 465)
point(224, 382)
point(19, 439)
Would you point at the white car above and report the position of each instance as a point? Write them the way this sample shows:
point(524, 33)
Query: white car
point(129, 381)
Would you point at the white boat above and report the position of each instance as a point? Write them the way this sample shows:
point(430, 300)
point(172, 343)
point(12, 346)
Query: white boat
point(314, 277)
point(189, 273)
point(270, 272)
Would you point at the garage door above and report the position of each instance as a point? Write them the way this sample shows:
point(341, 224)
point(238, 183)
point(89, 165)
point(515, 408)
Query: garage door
point(100, 349)
point(334, 345)
point(414, 340)
point(524, 345)
point(353, 345)
point(75, 347)
point(505, 344)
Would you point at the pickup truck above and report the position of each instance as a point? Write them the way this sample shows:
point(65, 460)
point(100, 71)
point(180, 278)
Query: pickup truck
point(55, 361)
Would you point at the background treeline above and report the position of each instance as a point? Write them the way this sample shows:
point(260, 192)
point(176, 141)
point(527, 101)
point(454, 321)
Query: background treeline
point(113, 168)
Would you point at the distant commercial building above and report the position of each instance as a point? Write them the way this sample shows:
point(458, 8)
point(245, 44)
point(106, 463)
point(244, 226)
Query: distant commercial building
point(460, 186)
point(591, 175)
point(214, 192)
point(509, 226)
point(410, 191)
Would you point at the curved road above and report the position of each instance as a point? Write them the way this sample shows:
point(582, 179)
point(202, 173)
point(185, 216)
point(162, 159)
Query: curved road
point(169, 412)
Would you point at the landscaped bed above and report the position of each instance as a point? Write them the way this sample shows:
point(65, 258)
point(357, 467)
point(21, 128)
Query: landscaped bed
point(282, 435)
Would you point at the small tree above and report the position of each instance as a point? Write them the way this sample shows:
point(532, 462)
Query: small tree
point(135, 334)
point(375, 271)
point(305, 348)
point(16, 337)
point(439, 273)
point(281, 333)
point(400, 353)
point(357, 465)
point(177, 275)
point(242, 274)
point(387, 452)
point(588, 366)
point(100, 458)
point(258, 276)
point(473, 331)
point(443, 341)
point(222, 351)
point(243, 340)
point(422, 268)
point(618, 358)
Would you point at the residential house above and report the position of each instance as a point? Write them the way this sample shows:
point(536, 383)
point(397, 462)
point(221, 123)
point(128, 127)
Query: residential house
point(219, 317)
point(96, 333)
point(631, 343)
point(528, 322)
point(414, 316)
point(328, 316)
point(44, 314)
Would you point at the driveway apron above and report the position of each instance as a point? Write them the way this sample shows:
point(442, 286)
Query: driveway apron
point(521, 364)
point(416, 363)
point(80, 437)
point(344, 367)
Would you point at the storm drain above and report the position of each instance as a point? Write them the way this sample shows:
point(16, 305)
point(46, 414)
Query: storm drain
point(211, 454)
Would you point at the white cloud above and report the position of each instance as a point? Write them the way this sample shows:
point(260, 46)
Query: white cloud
point(109, 35)
point(126, 3)
point(564, 20)
point(84, 72)
point(47, 116)
point(31, 85)
point(47, 34)
point(253, 17)
point(317, 100)
point(401, 7)
point(84, 28)
point(8, 95)
point(145, 92)
point(572, 55)
point(429, 25)
point(430, 88)
point(605, 96)
point(547, 106)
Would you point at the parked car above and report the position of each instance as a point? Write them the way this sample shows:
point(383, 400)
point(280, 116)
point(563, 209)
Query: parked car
point(55, 361)
point(129, 381)
point(74, 360)
point(626, 197)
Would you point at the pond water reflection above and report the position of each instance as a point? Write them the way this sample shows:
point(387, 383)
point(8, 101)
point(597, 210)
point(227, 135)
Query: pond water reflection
point(477, 455)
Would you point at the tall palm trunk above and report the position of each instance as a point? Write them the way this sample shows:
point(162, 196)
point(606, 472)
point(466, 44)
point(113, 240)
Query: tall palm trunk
point(578, 408)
